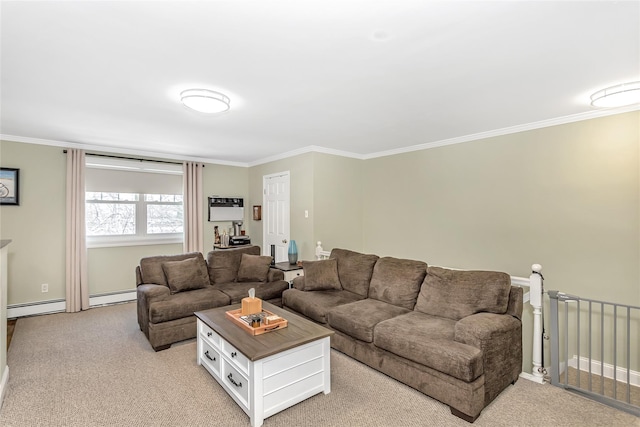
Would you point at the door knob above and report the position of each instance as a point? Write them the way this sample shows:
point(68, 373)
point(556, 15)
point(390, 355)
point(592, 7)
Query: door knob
point(284, 240)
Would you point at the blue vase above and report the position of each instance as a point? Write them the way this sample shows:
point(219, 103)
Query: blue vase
point(293, 252)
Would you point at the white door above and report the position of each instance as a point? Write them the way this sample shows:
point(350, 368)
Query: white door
point(275, 214)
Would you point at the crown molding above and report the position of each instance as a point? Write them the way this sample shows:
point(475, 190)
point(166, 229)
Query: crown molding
point(506, 131)
point(118, 150)
point(304, 150)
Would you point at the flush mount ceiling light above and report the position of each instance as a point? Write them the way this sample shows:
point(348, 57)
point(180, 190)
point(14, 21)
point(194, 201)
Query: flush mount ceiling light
point(205, 101)
point(617, 96)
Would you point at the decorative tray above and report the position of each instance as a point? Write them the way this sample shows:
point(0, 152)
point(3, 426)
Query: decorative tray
point(244, 322)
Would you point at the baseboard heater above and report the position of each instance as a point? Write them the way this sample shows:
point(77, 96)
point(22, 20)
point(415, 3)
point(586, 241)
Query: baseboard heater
point(59, 305)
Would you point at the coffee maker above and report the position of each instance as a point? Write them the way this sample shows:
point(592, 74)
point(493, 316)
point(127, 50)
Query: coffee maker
point(238, 239)
point(237, 226)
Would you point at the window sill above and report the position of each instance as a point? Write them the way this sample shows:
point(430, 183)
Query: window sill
point(93, 243)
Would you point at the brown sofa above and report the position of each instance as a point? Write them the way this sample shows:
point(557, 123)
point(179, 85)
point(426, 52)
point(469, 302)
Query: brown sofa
point(453, 335)
point(171, 288)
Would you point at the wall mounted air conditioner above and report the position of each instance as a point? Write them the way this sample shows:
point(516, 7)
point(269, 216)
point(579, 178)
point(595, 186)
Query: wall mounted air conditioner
point(226, 209)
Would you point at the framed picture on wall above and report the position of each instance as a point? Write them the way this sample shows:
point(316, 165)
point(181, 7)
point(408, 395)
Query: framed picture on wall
point(9, 186)
point(257, 212)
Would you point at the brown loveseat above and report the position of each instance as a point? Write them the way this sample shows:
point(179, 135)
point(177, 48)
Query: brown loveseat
point(171, 288)
point(453, 335)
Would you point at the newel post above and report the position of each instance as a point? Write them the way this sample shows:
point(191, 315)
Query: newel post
point(535, 299)
point(319, 250)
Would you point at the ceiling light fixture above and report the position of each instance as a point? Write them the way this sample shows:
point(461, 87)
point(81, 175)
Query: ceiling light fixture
point(205, 101)
point(617, 96)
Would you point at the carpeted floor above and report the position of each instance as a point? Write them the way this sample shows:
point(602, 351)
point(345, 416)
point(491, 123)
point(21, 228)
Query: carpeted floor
point(96, 368)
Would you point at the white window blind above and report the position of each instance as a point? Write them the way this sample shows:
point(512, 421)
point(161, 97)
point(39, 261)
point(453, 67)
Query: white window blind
point(109, 175)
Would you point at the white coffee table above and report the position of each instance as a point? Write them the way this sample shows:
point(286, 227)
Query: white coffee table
point(265, 374)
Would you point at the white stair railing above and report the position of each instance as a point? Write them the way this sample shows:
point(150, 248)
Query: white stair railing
point(321, 253)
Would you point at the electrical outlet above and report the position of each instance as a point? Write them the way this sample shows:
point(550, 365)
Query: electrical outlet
point(45, 287)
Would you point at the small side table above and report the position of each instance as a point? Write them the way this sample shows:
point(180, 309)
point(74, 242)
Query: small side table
point(290, 271)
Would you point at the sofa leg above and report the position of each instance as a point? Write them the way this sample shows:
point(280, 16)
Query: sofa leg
point(467, 418)
point(161, 347)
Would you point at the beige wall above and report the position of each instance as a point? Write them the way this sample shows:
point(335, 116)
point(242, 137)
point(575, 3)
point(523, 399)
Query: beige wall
point(566, 197)
point(337, 195)
point(112, 269)
point(37, 226)
point(224, 181)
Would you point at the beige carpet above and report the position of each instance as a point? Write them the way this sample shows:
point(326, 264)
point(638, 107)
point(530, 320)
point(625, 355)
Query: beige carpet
point(96, 368)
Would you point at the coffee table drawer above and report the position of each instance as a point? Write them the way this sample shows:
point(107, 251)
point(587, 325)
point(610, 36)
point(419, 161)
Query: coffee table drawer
point(209, 334)
point(239, 360)
point(210, 357)
point(237, 383)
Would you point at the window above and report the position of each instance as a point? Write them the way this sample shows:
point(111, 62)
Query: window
point(164, 213)
point(111, 214)
point(132, 207)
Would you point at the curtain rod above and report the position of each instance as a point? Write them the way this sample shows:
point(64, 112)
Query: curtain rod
point(130, 158)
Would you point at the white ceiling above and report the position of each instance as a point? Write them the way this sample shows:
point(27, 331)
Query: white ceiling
point(359, 77)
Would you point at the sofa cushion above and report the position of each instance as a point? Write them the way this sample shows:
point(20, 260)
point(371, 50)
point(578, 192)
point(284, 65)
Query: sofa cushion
point(397, 281)
point(253, 268)
point(357, 319)
point(186, 275)
point(265, 291)
point(316, 304)
point(184, 304)
point(455, 294)
point(321, 275)
point(354, 270)
point(224, 263)
point(151, 267)
point(429, 340)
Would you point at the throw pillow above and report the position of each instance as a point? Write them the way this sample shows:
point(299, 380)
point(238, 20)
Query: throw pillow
point(186, 275)
point(253, 268)
point(151, 267)
point(456, 294)
point(354, 270)
point(321, 275)
point(224, 263)
point(397, 281)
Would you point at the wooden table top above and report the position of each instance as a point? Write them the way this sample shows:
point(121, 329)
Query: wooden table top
point(299, 331)
point(285, 266)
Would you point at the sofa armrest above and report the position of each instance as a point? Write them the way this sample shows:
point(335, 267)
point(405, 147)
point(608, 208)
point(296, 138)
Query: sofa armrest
point(275, 275)
point(298, 283)
point(499, 336)
point(138, 276)
point(148, 293)
point(152, 292)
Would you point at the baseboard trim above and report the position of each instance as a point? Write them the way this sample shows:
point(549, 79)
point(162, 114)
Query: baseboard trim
point(4, 383)
point(57, 306)
point(608, 369)
point(112, 298)
point(531, 377)
point(33, 309)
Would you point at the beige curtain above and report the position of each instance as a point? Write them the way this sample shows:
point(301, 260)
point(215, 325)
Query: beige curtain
point(76, 268)
point(193, 206)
